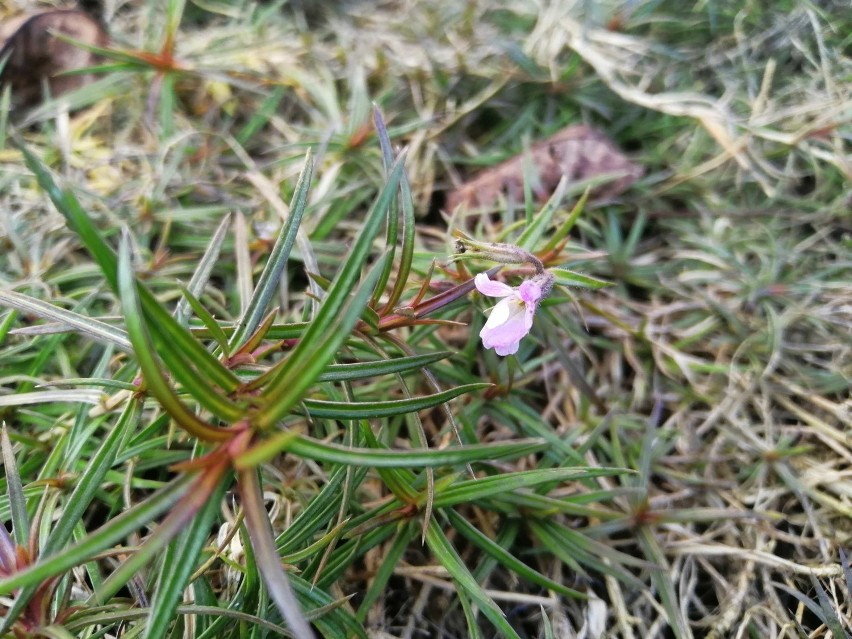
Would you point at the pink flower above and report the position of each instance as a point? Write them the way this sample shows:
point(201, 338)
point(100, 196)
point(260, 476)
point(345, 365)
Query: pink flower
point(511, 319)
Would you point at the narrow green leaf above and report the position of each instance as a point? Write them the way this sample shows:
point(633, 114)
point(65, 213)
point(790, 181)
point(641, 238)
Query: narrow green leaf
point(564, 277)
point(319, 342)
point(481, 488)
point(847, 569)
point(268, 561)
point(829, 613)
point(366, 370)
point(89, 482)
point(174, 13)
point(268, 283)
point(406, 201)
point(193, 382)
point(406, 256)
point(392, 224)
point(318, 408)
point(541, 222)
point(312, 550)
point(449, 559)
point(200, 493)
point(400, 481)
point(107, 535)
point(178, 564)
point(207, 319)
point(543, 506)
point(6, 323)
point(162, 323)
point(342, 559)
point(316, 514)
point(507, 559)
point(636, 233)
point(823, 610)
point(390, 559)
point(562, 232)
point(113, 384)
point(103, 615)
point(573, 548)
point(204, 269)
point(76, 396)
point(289, 382)
point(408, 222)
point(5, 108)
point(531, 180)
point(15, 490)
point(330, 617)
point(662, 580)
point(322, 451)
point(473, 631)
point(242, 257)
point(261, 116)
point(167, 103)
point(254, 340)
point(181, 342)
point(93, 328)
point(55, 632)
point(156, 381)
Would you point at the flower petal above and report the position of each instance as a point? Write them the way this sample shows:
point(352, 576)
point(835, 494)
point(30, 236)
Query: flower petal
point(490, 288)
point(500, 341)
point(528, 316)
point(508, 349)
point(511, 319)
point(501, 312)
point(530, 292)
point(506, 335)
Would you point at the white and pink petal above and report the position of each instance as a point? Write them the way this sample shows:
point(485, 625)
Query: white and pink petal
point(491, 288)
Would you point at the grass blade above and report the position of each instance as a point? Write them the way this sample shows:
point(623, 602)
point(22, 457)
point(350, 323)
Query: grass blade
point(318, 408)
point(389, 562)
point(89, 482)
point(367, 370)
point(541, 222)
point(474, 489)
point(110, 533)
point(92, 328)
point(268, 561)
point(319, 342)
point(179, 562)
point(15, 490)
point(449, 559)
point(202, 272)
point(156, 381)
point(506, 558)
point(323, 451)
point(392, 230)
point(565, 277)
point(163, 324)
point(268, 283)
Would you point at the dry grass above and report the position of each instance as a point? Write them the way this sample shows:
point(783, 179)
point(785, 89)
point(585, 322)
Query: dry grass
point(717, 367)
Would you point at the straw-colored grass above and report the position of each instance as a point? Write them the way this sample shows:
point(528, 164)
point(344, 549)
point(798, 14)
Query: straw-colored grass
point(717, 368)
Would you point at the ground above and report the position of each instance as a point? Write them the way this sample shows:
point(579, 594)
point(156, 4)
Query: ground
point(694, 479)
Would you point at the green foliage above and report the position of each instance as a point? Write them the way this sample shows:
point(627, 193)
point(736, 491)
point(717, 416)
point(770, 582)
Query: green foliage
point(242, 389)
point(243, 425)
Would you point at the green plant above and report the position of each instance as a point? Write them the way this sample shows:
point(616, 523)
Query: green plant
point(240, 407)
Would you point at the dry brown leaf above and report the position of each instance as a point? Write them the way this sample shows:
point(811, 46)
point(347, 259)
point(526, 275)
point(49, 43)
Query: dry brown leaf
point(577, 152)
point(36, 55)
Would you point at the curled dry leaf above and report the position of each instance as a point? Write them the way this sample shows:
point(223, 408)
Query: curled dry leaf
point(578, 152)
point(36, 56)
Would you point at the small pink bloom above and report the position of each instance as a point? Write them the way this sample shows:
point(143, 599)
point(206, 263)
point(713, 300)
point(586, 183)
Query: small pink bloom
point(511, 319)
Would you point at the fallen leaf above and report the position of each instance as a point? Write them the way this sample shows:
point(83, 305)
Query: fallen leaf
point(577, 152)
point(37, 56)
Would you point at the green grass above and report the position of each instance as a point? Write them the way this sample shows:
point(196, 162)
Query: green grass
point(665, 457)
